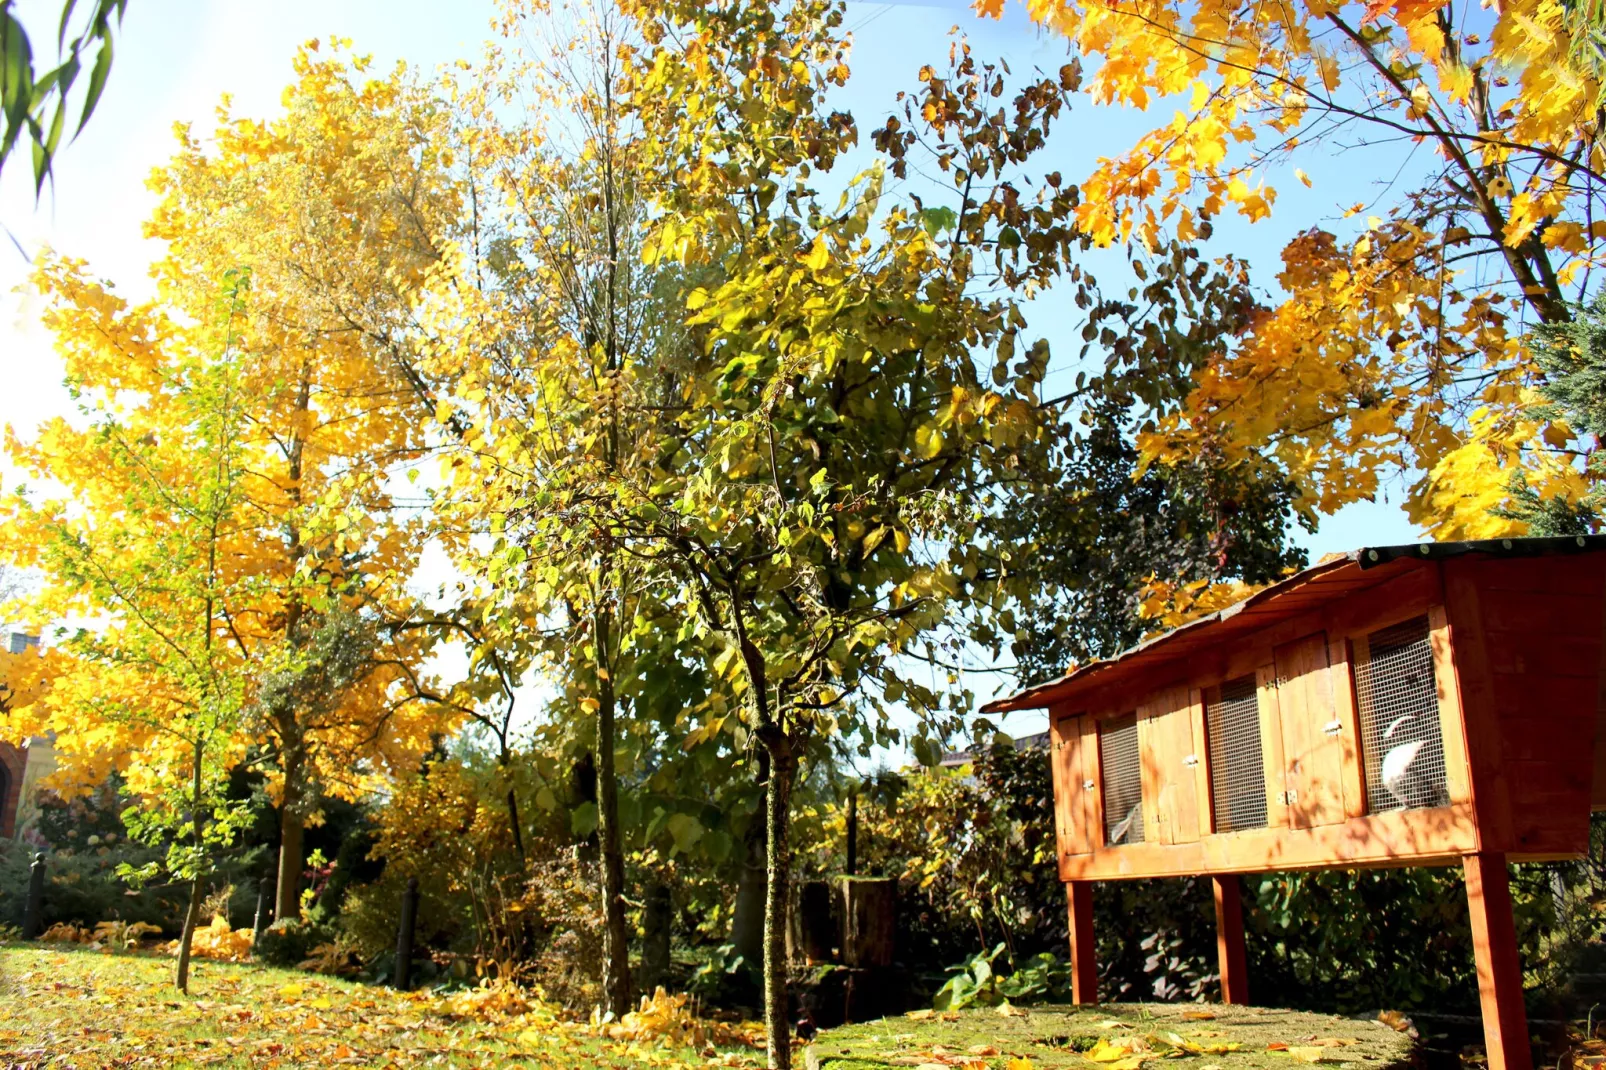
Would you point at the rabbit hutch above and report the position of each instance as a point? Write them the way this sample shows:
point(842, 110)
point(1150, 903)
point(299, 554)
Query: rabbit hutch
point(1419, 705)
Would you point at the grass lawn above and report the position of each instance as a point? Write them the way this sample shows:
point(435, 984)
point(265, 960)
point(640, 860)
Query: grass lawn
point(1115, 1036)
point(66, 1006)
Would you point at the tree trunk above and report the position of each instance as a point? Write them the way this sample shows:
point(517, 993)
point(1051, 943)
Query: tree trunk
point(186, 940)
point(192, 916)
point(287, 897)
point(615, 935)
point(514, 826)
point(658, 919)
point(513, 823)
point(747, 925)
point(292, 833)
point(777, 1025)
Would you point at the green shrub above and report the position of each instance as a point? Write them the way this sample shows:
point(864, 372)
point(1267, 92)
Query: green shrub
point(288, 941)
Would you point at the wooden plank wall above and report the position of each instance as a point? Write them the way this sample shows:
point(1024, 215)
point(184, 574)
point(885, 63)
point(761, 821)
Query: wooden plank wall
point(1526, 635)
point(1518, 646)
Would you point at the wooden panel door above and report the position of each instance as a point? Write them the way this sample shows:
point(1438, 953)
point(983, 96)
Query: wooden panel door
point(1313, 737)
point(1075, 765)
point(1171, 761)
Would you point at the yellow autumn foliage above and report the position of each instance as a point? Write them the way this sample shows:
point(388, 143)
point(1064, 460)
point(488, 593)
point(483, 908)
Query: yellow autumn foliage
point(217, 941)
point(1397, 348)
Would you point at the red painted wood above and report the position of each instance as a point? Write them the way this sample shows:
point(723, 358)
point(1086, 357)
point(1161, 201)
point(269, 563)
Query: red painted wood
point(1230, 939)
point(1494, 943)
point(1084, 961)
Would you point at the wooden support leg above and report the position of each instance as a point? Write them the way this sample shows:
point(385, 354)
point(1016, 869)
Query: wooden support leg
point(1494, 944)
point(1084, 963)
point(1230, 939)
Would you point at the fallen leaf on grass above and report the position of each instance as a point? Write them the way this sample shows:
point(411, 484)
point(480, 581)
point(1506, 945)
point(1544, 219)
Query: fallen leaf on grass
point(1010, 1012)
point(1309, 1054)
point(1018, 1064)
point(1123, 1056)
point(1105, 1052)
point(1198, 1016)
point(982, 1049)
point(291, 991)
point(920, 1015)
point(1395, 1021)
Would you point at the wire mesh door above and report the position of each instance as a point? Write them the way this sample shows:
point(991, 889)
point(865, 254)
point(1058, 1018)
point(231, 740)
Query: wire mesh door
point(1237, 768)
point(1123, 780)
point(1402, 744)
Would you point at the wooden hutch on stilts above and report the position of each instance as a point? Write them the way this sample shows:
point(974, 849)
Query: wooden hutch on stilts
point(1422, 705)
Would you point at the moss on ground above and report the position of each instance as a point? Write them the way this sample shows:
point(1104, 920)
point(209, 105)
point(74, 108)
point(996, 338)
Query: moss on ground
point(1049, 1038)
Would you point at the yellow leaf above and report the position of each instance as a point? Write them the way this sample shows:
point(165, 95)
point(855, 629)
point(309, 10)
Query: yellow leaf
point(1105, 1052)
point(291, 991)
point(819, 254)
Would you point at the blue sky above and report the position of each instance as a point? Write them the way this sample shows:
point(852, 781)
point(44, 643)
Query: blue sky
point(176, 58)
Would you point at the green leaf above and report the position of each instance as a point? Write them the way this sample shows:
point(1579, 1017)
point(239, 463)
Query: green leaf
point(717, 845)
point(936, 220)
point(97, 83)
point(583, 819)
point(686, 830)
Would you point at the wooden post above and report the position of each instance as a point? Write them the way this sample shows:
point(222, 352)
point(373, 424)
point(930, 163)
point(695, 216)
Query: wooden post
point(853, 834)
point(265, 890)
point(1230, 939)
point(34, 906)
point(1084, 960)
point(1494, 945)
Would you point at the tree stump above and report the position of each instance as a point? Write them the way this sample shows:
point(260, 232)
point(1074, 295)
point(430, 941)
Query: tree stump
point(814, 929)
point(869, 921)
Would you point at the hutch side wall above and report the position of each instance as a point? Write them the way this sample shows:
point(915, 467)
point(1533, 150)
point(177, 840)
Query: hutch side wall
point(1517, 691)
point(1527, 637)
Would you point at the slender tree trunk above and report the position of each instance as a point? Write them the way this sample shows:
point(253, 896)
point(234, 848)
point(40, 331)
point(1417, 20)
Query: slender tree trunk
point(505, 759)
point(292, 821)
point(192, 916)
point(615, 935)
point(778, 797)
point(513, 823)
